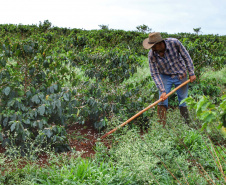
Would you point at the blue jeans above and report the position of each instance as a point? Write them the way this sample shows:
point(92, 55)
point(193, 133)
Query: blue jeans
point(182, 93)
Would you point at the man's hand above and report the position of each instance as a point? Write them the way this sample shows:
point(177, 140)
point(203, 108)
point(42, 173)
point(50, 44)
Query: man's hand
point(192, 78)
point(163, 96)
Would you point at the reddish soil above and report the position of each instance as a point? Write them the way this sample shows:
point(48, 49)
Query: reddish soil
point(2, 150)
point(83, 137)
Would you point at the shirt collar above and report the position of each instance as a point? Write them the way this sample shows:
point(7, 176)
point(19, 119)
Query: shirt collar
point(167, 44)
point(167, 47)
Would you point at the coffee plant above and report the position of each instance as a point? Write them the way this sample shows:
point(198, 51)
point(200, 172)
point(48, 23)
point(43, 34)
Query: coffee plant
point(208, 112)
point(33, 102)
point(206, 53)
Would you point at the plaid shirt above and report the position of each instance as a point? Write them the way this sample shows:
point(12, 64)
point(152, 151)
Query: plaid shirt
point(176, 62)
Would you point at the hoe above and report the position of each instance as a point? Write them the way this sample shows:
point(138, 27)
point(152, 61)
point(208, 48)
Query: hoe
point(139, 113)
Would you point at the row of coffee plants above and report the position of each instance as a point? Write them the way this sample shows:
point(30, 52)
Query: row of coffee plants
point(35, 103)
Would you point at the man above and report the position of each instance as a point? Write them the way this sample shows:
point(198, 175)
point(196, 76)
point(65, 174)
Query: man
point(169, 63)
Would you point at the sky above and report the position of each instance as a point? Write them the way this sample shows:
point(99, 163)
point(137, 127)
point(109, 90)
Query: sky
point(171, 16)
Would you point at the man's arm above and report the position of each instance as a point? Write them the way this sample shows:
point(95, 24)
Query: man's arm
point(188, 61)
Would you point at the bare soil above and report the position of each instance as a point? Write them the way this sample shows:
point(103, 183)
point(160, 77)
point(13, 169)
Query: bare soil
point(83, 138)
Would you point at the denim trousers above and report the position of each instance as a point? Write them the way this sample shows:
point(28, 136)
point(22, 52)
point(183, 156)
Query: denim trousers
point(182, 93)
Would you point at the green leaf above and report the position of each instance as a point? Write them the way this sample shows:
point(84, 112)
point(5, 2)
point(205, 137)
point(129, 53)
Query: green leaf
point(223, 97)
point(59, 111)
point(48, 133)
point(40, 124)
point(1, 137)
point(58, 104)
point(28, 94)
point(54, 138)
point(5, 121)
point(200, 104)
point(208, 116)
point(204, 126)
point(41, 96)
point(34, 124)
point(55, 86)
point(211, 106)
point(13, 126)
point(18, 52)
point(7, 91)
point(41, 110)
point(66, 97)
point(28, 122)
point(205, 105)
point(219, 126)
point(51, 89)
point(28, 49)
point(54, 105)
point(11, 103)
point(20, 127)
point(35, 99)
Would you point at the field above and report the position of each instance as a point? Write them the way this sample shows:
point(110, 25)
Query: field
point(62, 89)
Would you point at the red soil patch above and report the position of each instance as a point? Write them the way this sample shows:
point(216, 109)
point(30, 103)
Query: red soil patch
point(83, 137)
point(2, 150)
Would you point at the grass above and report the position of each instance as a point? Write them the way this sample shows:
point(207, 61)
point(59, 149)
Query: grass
point(142, 72)
point(220, 75)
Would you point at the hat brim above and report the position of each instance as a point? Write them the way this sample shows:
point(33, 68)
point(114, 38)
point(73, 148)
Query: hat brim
point(146, 45)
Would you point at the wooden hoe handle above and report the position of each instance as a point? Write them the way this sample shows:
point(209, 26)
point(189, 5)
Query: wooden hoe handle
point(139, 113)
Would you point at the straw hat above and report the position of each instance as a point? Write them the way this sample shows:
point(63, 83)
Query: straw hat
point(152, 39)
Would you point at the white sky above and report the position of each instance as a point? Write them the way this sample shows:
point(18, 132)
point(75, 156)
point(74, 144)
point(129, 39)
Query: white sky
point(171, 16)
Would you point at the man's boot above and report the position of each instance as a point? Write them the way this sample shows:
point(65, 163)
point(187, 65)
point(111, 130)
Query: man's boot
point(161, 111)
point(184, 113)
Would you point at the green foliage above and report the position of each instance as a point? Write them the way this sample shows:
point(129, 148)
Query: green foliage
point(52, 76)
point(45, 25)
point(206, 87)
point(207, 51)
point(32, 100)
point(36, 68)
point(208, 112)
point(114, 65)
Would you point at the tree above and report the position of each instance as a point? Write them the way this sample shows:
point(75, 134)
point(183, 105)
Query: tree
point(104, 27)
point(45, 25)
point(197, 30)
point(143, 28)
